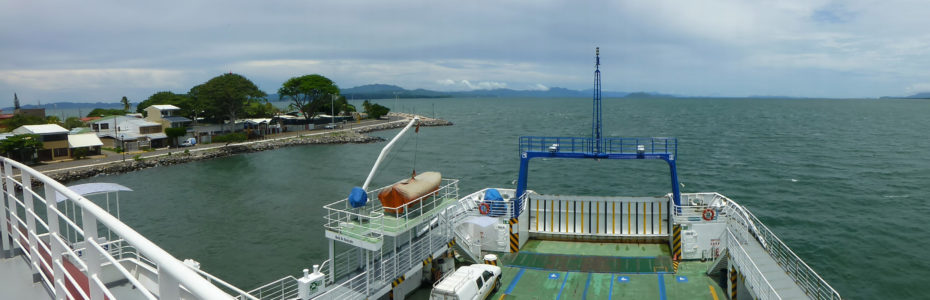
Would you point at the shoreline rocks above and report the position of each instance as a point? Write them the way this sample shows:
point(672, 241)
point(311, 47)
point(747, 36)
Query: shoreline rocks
point(130, 165)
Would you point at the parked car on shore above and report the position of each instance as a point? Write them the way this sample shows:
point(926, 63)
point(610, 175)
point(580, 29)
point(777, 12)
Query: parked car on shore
point(189, 142)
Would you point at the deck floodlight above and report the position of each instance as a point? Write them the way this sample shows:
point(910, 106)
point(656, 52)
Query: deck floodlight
point(554, 148)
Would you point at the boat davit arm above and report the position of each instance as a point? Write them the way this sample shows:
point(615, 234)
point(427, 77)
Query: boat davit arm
point(385, 151)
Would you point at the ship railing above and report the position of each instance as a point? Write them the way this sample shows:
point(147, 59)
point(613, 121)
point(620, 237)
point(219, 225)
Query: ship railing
point(284, 288)
point(610, 145)
point(354, 288)
point(345, 262)
point(471, 245)
point(757, 280)
point(342, 218)
point(386, 266)
point(122, 251)
point(811, 282)
point(503, 210)
point(741, 220)
point(39, 228)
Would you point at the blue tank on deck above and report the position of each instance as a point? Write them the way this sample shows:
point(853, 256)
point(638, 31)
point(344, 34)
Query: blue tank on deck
point(495, 202)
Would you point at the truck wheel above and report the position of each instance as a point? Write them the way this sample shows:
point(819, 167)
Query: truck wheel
point(497, 286)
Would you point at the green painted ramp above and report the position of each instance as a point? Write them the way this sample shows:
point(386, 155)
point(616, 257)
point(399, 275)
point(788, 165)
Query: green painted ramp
point(586, 263)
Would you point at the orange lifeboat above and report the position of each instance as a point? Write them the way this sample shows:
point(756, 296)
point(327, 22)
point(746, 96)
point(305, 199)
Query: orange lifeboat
point(404, 193)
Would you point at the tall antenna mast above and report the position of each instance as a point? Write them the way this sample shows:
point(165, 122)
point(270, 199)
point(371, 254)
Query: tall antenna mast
point(596, 126)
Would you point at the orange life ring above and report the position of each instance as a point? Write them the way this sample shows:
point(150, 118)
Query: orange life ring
point(708, 214)
point(484, 208)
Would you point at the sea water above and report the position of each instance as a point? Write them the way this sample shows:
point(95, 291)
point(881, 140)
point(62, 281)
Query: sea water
point(841, 182)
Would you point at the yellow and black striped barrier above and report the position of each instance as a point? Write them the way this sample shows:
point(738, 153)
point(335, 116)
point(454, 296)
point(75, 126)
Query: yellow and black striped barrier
point(428, 260)
point(397, 281)
point(733, 283)
point(675, 266)
point(514, 237)
point(676, 242)
point(450, 253)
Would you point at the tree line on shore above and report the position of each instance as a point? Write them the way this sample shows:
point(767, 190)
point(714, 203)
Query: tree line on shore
point(231, 96)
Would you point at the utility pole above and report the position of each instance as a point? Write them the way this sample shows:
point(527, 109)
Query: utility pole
point(332, 111)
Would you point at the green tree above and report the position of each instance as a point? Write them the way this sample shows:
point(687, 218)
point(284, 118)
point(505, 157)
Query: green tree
point(174, 133)
point(103, 112)
point(342, 106)
point(184, 102)
point(259, 109)
point(227, 94)
point(19, 120)
point(308, 92)
point(72, 122)
point(125, 102)
point(21, 147)
point(375, 110)
point(52, 120)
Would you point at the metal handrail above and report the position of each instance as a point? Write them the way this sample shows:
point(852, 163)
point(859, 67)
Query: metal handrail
point(167, 264)
point(741, 219)
point(756, 274)
point(339, 213)
point(809, 280)
point(612, 145)
point(284, 288)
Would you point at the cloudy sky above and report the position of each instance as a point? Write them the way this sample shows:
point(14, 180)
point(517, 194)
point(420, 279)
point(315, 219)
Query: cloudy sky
point(81, 51)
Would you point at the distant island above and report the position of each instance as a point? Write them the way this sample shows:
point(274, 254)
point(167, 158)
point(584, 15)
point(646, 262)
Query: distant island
point(924, 95)
point(387, 91)
point(69, 105)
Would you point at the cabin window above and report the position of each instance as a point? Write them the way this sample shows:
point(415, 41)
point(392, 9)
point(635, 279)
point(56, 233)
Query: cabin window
point(487, 275)
point(478, 281)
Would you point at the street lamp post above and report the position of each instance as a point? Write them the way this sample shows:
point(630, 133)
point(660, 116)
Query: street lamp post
point(332, 111)
point(122, 141)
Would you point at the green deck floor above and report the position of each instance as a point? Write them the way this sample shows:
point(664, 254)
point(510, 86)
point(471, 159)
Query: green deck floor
point(527, 276)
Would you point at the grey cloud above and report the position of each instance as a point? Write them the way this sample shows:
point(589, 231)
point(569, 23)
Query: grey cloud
point(718, 47)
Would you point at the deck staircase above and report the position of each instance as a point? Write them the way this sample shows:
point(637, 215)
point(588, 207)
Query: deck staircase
point(720, 263)
point(466, 246)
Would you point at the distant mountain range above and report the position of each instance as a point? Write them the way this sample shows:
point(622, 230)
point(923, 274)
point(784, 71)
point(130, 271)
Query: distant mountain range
point(924, 95)
point(386, 91)
point(68, 105)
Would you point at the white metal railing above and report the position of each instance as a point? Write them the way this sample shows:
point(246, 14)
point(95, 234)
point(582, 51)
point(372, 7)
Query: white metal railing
point(36, 226)
point(757, 280)
point(741, 220)
point(354, 288)
point(384, 270)
point(500, 209)
point(281, 289)
point(472, 246)
point(340, 216)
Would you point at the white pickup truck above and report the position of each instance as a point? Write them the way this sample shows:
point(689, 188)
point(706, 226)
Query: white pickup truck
point(468, 283)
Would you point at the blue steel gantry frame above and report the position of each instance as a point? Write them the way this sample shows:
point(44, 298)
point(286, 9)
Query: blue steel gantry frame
point(596, 124)
point(595, 147)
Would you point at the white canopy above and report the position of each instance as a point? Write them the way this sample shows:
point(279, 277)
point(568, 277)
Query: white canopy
point(84, 140)
point(93, 188)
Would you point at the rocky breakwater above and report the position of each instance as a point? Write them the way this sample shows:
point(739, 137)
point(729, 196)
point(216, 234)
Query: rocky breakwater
point(173, 158)
point(160, 158)
point(424, 121)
